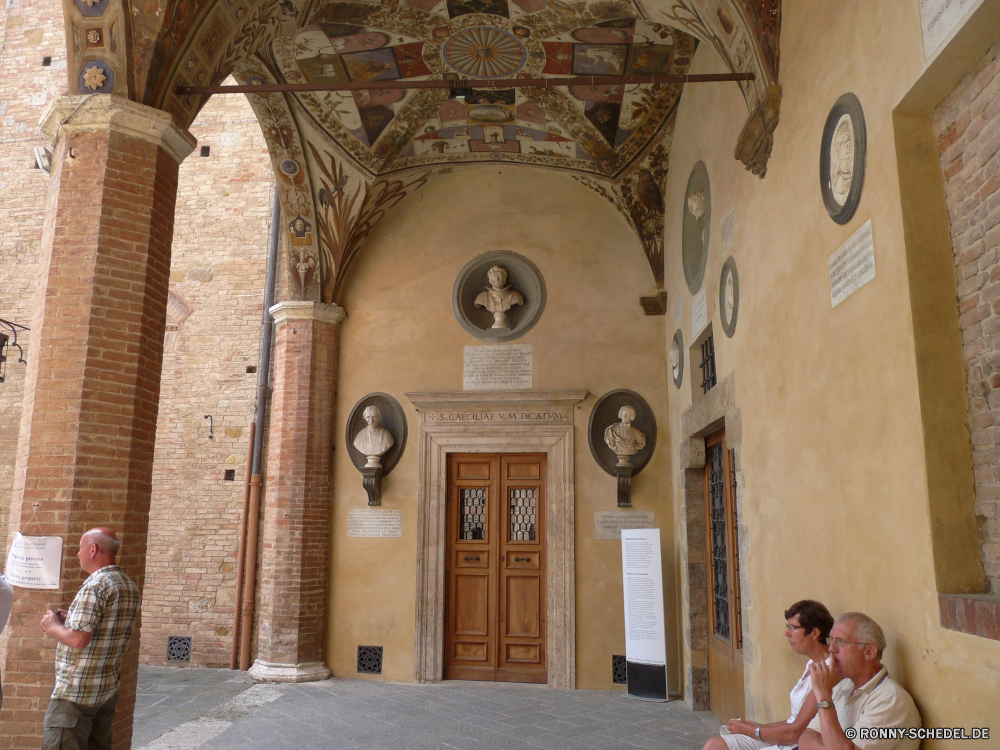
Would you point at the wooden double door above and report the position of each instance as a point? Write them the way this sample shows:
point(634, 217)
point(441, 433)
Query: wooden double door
point(725, 640)
point(495, 601)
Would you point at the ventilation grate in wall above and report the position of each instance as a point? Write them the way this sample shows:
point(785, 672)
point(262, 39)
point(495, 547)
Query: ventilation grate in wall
point(369, 660)
point(230, 475)
point(206, 150)
point(46, 61)
point(618, 671)
point(178, 648)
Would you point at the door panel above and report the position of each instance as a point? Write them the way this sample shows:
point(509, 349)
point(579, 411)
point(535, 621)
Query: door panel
point(725, 648)
point(495, 613)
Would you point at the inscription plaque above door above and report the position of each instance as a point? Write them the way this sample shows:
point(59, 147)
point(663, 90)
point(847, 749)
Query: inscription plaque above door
point(495, 600)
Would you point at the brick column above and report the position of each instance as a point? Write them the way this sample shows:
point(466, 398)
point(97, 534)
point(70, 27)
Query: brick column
point(85, 451)
point(295, 558)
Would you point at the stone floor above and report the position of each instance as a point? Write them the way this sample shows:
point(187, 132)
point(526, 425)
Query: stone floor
point(213, 709)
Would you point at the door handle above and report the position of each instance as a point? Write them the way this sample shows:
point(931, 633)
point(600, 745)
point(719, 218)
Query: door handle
point(522, 559)
point(476, 558)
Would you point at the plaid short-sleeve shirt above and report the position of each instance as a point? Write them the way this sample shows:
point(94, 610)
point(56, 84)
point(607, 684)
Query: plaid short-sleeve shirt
point(106, 605)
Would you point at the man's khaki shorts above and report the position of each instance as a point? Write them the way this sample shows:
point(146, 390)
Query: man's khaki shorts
point(70, 726)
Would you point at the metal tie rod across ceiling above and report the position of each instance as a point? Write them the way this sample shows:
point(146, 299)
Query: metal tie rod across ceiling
point(454, 83)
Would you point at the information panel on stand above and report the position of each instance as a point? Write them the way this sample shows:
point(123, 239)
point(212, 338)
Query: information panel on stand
point(645, 636)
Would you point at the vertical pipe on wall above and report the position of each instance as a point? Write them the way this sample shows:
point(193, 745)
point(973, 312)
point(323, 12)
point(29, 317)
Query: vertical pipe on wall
point(247, 576)
point(241, 553)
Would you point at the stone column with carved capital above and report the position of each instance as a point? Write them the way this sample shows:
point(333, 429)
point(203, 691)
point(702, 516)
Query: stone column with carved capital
point(297, 519)
point(92, 386)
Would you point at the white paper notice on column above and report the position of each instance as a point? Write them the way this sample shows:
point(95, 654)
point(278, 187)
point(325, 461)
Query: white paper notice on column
point(34, 562)
point(645, 637)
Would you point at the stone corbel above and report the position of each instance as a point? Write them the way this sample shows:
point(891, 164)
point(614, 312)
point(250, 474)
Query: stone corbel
point(753, 147)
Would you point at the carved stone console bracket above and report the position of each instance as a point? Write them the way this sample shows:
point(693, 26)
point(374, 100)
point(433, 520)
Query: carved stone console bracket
point(624, 474)
point(753, 147)
point(372, 482)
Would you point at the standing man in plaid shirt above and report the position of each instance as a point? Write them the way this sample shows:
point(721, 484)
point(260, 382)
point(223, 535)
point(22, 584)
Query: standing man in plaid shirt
point(93, 634)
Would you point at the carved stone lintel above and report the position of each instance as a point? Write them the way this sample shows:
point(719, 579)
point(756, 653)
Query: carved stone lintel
point(372, 482)
point(753, 147)
point(624, 474)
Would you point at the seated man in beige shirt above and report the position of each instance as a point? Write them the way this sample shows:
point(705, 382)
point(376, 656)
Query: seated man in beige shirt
point(871, 699)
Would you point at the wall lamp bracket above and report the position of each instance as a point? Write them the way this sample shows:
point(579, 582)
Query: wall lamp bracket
point(211, 426)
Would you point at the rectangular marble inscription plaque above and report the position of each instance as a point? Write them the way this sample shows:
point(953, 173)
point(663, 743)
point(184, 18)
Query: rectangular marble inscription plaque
point(699, 314)
point(852, 265)
point(728, 229)
point(938, 18)
point(375, 522)
point(608, 524)
point(501, 367)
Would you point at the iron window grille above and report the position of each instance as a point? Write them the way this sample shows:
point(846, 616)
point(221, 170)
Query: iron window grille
point(737, 611)
point(708, 365)
point(619, 673)
point(369, 660)
point(178, 648)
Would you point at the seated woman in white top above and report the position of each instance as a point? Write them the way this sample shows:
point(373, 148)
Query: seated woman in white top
point(808, 625)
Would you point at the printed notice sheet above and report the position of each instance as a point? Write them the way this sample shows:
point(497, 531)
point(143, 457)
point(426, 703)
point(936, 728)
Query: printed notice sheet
point(34, 562)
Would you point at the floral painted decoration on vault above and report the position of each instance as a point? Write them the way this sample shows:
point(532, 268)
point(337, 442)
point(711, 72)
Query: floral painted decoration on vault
point(598, 129)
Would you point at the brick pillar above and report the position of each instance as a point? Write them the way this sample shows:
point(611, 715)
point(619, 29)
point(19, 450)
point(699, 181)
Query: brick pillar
point(295, 558)
point(85, 451)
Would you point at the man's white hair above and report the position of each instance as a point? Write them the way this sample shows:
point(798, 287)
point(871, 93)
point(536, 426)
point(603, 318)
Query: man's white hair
point(868, 631)
point(104, 542)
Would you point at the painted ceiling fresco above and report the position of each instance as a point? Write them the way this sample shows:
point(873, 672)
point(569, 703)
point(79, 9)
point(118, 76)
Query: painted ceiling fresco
point(342, 160)
point(596, 129)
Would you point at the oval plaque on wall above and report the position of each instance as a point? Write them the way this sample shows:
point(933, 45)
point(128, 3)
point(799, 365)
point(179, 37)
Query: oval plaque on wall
point(695, 226)
point(842, 158)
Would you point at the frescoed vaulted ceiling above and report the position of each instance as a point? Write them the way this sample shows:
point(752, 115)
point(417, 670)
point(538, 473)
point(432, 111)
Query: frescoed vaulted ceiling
point(344, 158)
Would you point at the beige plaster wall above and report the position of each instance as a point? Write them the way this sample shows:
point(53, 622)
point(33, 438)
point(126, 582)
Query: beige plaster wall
point(401, 335)
point(835, 498)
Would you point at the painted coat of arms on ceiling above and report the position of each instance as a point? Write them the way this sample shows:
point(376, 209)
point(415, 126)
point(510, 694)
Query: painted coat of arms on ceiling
point(597, 129)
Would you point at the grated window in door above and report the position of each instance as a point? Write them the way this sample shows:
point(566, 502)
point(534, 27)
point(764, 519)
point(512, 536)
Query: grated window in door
point(720, 556)
point(473, 512)
point(522, 514)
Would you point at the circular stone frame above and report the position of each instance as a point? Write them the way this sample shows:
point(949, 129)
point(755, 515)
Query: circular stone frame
point(605, 413)
point(695, 233)
point(729, 267)
point(848, 105)
point(393, 419)
point(679, 340)
point(522, 275)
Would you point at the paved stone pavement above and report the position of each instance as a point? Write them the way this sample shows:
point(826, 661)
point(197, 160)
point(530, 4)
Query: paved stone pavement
point(212, 709)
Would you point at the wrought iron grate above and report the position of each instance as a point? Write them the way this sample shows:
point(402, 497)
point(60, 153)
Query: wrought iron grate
point(720, 557)
point(619, 673)
point(178, 648)
point(369, 660)
point(522, 514)
point(708, 365)
point(473, 513)
point(737, 612)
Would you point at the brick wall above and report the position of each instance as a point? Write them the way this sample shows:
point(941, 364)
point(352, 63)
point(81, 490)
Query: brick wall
point(968, 127)
point(217, 280)
point(34, 30)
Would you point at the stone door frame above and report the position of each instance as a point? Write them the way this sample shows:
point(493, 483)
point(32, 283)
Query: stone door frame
point(496, 422)
point(715, 411)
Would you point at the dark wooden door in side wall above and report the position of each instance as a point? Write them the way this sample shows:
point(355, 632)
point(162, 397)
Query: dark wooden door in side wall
point(495, 605)
point(725, 646)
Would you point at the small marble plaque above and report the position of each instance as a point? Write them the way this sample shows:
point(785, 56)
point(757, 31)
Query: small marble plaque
point(728, 229)
point(375, 522)
point(699, 314)
point(852, 265)
point(502, 367)
point(678, 309)
point(938, 18)
point(608, 524)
